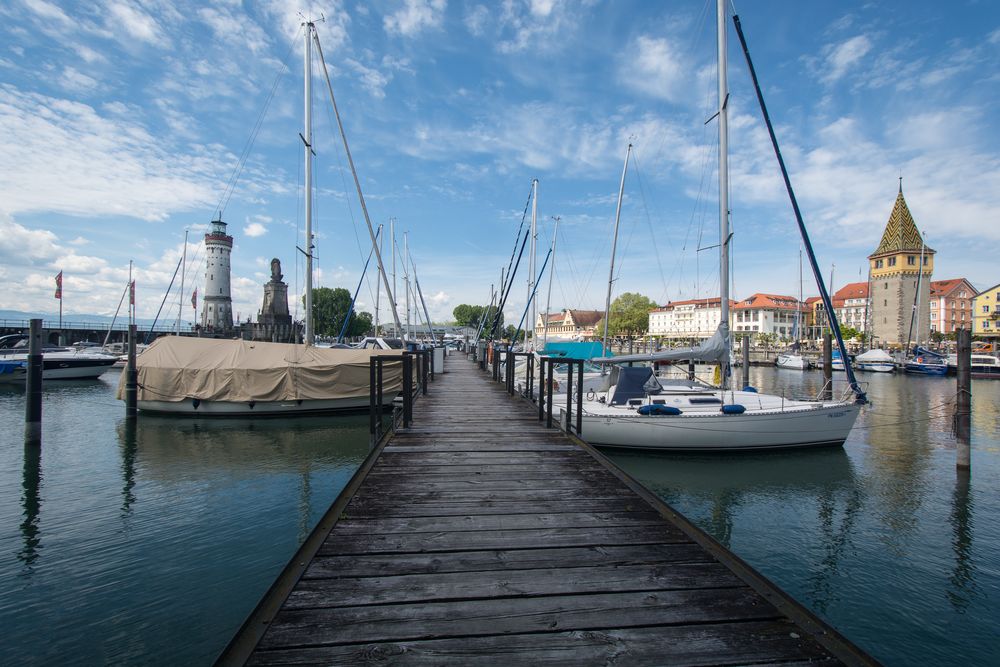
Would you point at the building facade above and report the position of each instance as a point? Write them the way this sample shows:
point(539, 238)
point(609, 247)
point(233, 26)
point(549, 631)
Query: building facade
point(850, 303)
point(770, 314)
point(687, 320)
point(569, 324)
point(951, 305)
point(217, 304)
point(986, 312)
point(900, 266)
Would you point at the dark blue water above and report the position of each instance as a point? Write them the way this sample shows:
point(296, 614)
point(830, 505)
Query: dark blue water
point(151, 545)
point(882, 537)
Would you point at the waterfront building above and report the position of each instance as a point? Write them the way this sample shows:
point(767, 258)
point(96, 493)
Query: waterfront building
point(217, 305)
point(274, 322)
point(569, 324)
point(769, 314)
point(815, 321)
point(951, 305)
point(850, 303)
point(693, 319)
point(900, 264)
point(986, 312)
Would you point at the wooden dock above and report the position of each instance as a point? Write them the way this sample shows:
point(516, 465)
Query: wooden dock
point(478, 536)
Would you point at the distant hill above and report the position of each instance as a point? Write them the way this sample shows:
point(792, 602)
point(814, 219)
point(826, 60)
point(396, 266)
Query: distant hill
point(76, 318)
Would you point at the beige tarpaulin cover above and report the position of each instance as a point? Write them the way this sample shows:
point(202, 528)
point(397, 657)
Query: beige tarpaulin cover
point(175, 368)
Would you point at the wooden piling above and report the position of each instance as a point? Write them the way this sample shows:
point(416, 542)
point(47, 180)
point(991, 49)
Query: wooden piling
point(132, 377)
point(746, 361)
point(828, 366)
point(33, 387)
point(963, 399)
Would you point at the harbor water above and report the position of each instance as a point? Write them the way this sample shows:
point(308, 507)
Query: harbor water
point(881, 537)
point(150, 544)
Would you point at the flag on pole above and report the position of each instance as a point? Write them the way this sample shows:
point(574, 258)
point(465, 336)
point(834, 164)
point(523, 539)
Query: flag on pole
point(59, 286)
point(131, 293)
point(194, 299)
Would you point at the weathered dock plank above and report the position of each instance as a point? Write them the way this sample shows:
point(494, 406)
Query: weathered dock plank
point(477, 536)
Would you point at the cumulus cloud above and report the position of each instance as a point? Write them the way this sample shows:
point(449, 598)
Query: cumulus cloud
point(841, 58)
point(254, 229)
point(414, 17)
point(654, 67)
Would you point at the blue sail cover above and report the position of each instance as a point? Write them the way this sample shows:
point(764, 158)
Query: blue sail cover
point(574, 350)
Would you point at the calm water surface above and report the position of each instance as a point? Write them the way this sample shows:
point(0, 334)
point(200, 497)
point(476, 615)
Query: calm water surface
point(881, 537)
point(150, 545)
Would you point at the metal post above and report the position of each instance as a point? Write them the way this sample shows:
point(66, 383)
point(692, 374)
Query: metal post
point(690, 369)
point(424, 365)
point(963, 399)
point(550, 400)
point(569, 393)
point(379, 398)
point(828, 367)
point(541, 388)
point(530, 379)
point(132, 377)
point(33, 387)
point(579, 400)
point(746, 361)
point(372, 362)
point(407, 389)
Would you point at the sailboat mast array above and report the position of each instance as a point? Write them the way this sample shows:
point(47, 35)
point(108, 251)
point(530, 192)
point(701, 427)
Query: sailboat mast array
point(532, 249)
point(614, 249)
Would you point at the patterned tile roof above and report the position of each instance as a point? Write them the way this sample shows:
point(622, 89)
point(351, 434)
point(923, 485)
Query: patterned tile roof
point(901, 233)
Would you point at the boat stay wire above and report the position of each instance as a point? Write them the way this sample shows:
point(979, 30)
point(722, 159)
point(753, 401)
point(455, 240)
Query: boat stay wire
point(541, 273)
point(520, 228)
point(824, 294)
point(165, 295)
point(506, 291)
point(227, 193)
point(354, 299)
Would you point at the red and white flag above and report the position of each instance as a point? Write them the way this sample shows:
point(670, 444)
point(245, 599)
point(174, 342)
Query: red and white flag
point(194, 299)
point(59, 286)
point(131, 293)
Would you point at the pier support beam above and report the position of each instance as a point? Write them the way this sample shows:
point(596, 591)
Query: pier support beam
point(33, 387)
point(746, 360)
point(963, 399)
point(131, 377)
point(828, 366)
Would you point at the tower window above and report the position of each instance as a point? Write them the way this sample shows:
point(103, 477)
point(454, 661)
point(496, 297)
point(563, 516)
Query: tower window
point(892, 261)
point(911, 260)
point(925, 260)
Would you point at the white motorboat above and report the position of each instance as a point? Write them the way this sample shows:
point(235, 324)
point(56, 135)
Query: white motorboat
point(982, 365)
point(875, 361)
point(792, 360)
point(58, 363)
point(636, 410)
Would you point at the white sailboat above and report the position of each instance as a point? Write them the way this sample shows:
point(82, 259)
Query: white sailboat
point(792, 358)
point(636, 410)
point(211, 377)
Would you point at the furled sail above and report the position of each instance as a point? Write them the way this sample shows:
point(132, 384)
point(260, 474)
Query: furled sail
point(713, 349)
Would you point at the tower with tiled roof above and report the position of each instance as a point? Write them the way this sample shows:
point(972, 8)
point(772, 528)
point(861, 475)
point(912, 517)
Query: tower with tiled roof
point(896, 268)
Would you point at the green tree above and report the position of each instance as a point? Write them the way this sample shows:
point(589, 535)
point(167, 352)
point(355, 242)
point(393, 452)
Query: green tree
point(629, 316)
point(848, 333)
point(330, 307)
point(509, 332)
point(466, 315)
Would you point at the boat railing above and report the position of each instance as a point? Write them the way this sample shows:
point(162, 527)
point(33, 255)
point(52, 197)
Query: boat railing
point(527, 389)
point(414, 382)
point(574, 392)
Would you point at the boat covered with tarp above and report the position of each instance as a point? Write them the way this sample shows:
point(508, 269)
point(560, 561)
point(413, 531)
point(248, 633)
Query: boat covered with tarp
point(203, 376)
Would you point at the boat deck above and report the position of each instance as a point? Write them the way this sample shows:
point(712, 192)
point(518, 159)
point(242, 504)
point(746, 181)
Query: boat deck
point(478, 536)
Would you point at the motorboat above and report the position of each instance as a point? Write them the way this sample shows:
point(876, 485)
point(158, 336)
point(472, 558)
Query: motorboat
point(875, 361)
point(836, 361)
point(792, 360)
point(12, 372)
point(981, 365)
point(58, 363)
point(925, 362)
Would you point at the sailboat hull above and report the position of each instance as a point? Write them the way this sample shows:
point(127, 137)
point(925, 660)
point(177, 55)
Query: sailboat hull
point(826, 425)
point(192, 408)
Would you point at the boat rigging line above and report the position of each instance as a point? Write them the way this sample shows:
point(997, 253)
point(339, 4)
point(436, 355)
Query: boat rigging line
point(824, 294)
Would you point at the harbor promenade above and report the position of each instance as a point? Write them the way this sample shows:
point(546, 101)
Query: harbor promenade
point(478, 536)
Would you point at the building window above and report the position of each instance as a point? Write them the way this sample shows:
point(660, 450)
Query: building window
point(892, 261)
point(911, 260)
point(925, 260)
point(986, 308)
point(878, 263)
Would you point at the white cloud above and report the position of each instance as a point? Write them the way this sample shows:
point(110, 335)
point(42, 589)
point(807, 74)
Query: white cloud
point(414, 17)
point(254, 229)
point(76, 81)
point(840, 58)
point(476, 20)
point(137, 23)
point(654, 67)
point(536, 24)
point(48, 11)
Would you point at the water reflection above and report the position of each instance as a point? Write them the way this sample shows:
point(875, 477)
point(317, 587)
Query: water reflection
point(963, 575)
point(128, 444)
point(31, 480)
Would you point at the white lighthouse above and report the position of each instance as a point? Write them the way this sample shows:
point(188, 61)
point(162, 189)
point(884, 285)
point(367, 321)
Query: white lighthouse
point(217, 311)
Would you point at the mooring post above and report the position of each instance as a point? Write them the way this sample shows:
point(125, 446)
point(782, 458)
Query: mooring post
point(407, 389)
point(569, 393)
point(579, 400)
point(132, 376)
point(828, 366)
point(371, 398)
point(541, 388)
point(550, 400)
point(425, 364)
point(529, 379)
point(963, 399)
point(33, 387)
point(746, 361)
point(690, 369)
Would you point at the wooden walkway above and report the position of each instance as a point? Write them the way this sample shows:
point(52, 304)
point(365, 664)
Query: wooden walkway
point(477, 536)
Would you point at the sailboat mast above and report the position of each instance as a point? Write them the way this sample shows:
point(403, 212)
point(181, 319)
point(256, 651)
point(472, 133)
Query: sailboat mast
point(406, 281)
point(915, 331)
point(531, 264)
point(614, 248)
point(798, 308)
point(548, 299)
point(392, 233)
point(378, 287)
point(180, 300)
point(307, 140)
point(723, 179)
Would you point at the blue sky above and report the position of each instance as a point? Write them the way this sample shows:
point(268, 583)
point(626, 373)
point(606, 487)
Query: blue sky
point(121, 123)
